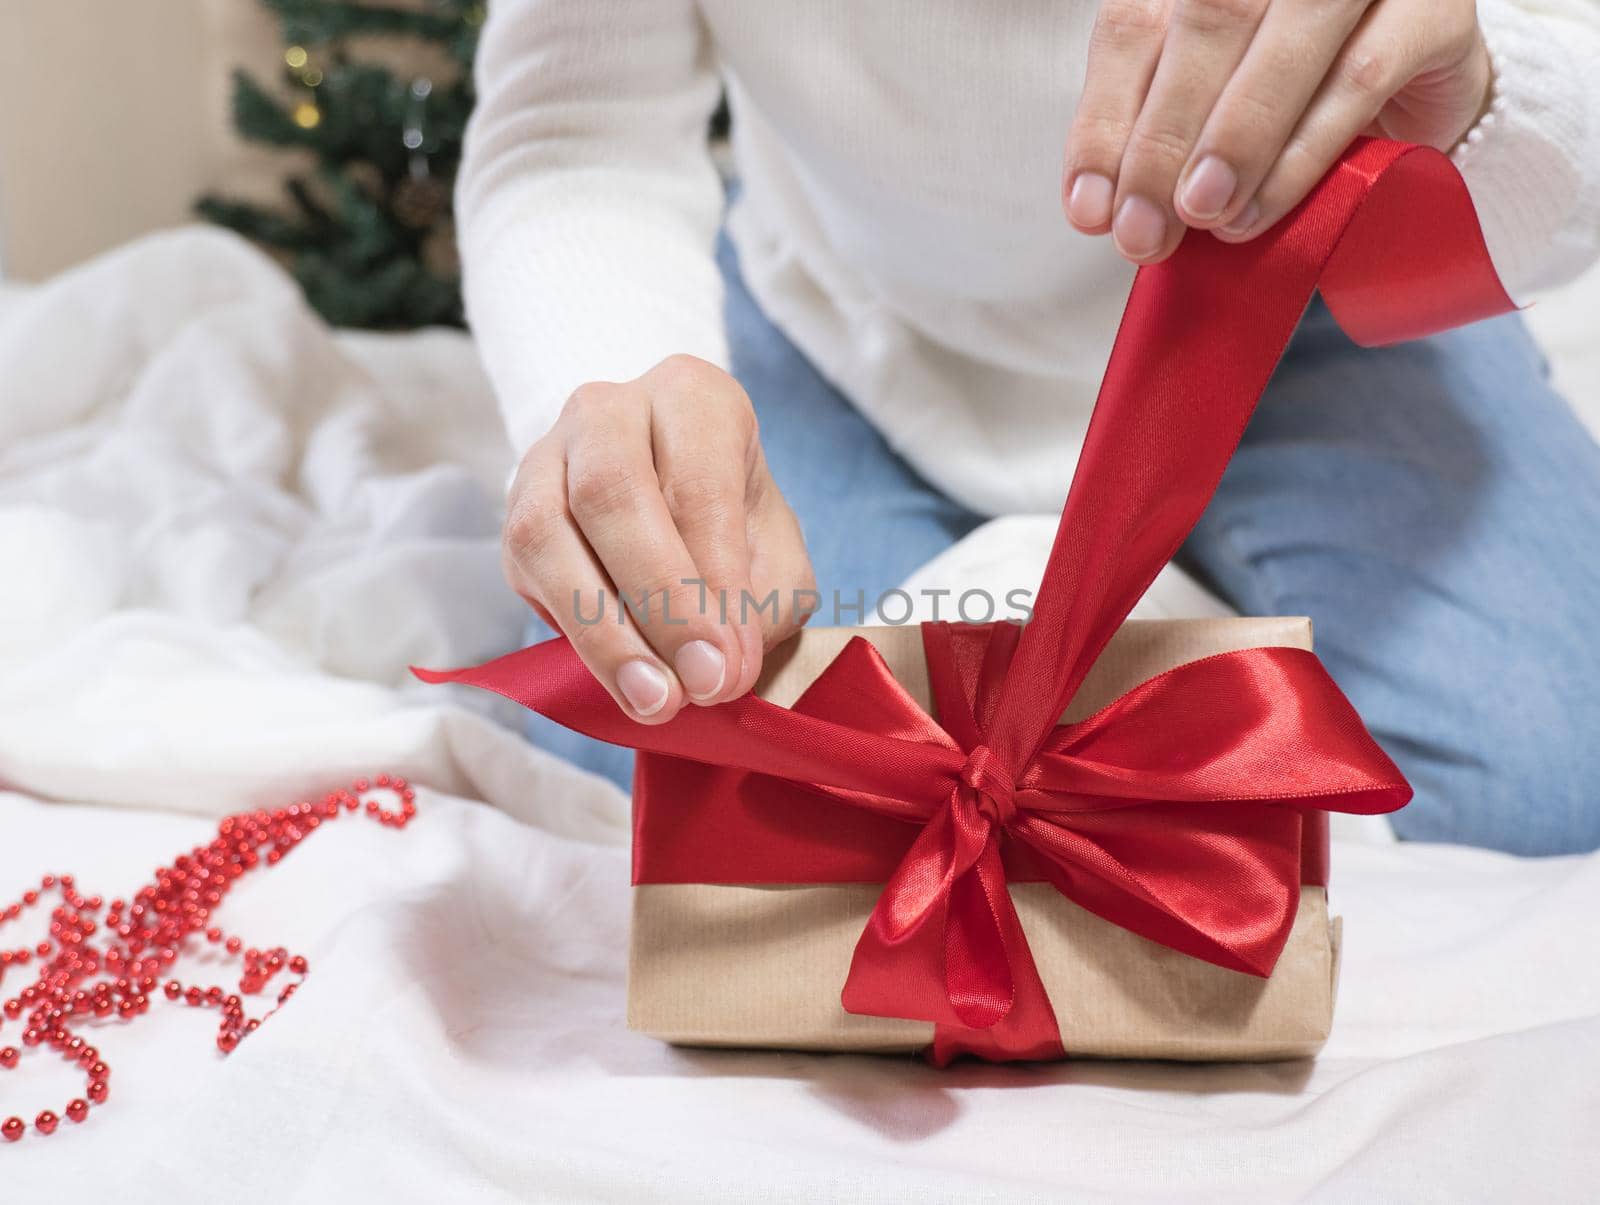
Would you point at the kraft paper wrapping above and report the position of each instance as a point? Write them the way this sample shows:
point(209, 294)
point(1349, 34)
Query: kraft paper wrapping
point(762, 966)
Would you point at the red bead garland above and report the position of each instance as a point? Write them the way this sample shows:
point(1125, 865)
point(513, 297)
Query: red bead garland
point(110, 967)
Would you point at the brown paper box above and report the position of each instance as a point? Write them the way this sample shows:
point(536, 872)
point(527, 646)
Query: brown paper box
point(762, 966)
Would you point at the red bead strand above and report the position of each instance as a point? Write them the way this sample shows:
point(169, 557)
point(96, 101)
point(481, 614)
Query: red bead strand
point(111, 967)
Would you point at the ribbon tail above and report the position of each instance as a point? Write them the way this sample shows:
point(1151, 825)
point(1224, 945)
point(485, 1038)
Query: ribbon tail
point(747, 733)
point(944, 944)
point(1029, 1029)
point(1391, 235)
point(898, 969)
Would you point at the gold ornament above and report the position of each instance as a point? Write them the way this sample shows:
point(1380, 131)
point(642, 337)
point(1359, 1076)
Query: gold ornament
point(296, 57)
point(307, 116)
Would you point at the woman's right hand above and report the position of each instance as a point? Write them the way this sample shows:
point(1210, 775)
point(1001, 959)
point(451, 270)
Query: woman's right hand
point(657, 488)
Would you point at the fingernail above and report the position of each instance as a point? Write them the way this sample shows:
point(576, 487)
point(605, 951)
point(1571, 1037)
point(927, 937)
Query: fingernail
point(701, 668)
point(1209, 188)
point(644, 686)
point(1246, 219)
point(1140, 228)
point(1089, 202)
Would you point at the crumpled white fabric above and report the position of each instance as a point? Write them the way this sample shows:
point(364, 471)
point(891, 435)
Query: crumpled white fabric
point(225, 533)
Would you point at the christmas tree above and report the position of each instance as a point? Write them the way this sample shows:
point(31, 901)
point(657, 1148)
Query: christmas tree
point(367, 230)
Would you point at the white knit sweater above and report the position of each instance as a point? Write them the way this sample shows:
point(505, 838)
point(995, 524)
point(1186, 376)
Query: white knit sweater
point(900, 217)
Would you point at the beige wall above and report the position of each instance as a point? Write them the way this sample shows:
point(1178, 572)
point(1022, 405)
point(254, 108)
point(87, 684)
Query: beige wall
point(114, 117)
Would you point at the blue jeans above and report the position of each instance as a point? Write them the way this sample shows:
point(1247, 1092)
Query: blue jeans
point(1434, 507)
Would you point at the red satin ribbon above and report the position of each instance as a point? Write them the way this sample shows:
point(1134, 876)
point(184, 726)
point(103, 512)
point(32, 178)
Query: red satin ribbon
point(1175, 812)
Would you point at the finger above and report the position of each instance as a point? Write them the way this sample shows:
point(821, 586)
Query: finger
point(549, 563)
point(1447, 91)
point(1371, 64)
point(1206, 40)
point(779, 561)
point(704, 451)
point(541, 611)
point(615, 495)
point(1123, 50)
point(1261, 106)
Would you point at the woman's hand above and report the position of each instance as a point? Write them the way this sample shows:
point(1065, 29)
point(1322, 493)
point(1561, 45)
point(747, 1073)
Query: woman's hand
point(1222, 114)
point(658, 488)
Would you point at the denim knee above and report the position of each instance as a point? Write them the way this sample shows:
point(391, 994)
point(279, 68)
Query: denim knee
point(1520, 802)
point(1522, 772)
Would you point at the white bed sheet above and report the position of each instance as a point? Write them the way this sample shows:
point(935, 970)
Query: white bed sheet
point(226, 532)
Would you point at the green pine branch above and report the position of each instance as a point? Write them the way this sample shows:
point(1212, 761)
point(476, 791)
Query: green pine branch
point(398, 294)
point(315, 22)
point(260, 117)
point(354, 232)
point(260, 225)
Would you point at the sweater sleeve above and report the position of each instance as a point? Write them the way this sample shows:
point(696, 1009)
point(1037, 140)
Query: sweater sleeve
point(587, 201)
point(1532, 163)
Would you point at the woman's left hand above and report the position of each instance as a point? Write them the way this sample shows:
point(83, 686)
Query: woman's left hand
point(1222, 114)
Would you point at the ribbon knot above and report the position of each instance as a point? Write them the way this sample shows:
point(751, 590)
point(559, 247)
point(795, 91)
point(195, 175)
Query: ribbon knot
point(992, 787)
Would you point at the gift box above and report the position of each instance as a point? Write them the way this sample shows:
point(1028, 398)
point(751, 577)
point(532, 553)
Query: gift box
point(1072, 836)
point(713, 964)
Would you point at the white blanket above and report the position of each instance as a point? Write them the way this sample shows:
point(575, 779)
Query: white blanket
point(223, 535)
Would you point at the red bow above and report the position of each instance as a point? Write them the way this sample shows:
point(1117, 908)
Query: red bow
point(1148, 813)
point(1175, 812)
